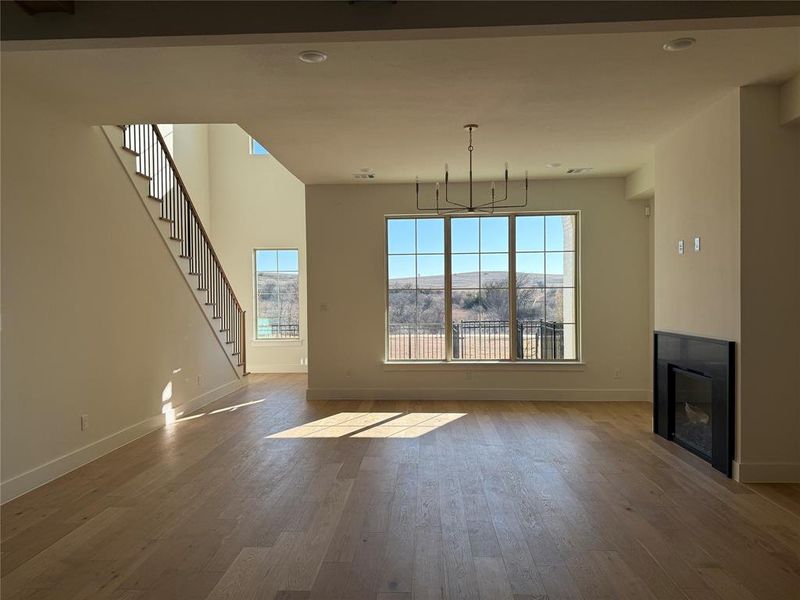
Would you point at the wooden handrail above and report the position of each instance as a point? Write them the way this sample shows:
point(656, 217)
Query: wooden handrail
point(189, 202)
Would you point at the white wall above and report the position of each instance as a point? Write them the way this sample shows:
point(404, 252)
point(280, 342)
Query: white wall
point(770, 263)
point(697, 187)
point(346, 279)
point(256, 203)
point(190, 152)
point(789, 104)
point(97, 318)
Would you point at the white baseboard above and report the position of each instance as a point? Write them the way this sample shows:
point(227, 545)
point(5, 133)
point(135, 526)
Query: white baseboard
point(766, 472)
point(38, 476)
point(532, 394)
point(289, 368)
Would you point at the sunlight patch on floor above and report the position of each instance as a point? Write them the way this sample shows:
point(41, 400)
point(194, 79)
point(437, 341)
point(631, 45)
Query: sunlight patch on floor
point(370, 425)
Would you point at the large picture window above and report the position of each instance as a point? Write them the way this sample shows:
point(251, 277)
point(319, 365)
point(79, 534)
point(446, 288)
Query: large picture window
point(482, 288)
point(277, 294)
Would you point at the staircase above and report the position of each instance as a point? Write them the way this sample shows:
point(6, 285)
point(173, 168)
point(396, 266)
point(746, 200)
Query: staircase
point(162, 186)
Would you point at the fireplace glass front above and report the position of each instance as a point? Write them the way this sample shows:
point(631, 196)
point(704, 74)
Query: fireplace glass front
point(692, 402)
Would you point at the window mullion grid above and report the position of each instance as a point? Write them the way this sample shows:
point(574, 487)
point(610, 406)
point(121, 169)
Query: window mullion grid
point(387, 293)
point(544, 262)
point(512, 287)
point(413, 346)
point(448, 293)
point(280, 300)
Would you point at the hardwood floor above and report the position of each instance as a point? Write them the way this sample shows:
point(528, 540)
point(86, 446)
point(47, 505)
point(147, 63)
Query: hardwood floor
point(478, 500)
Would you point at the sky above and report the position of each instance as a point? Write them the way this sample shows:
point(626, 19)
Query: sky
point(276, 260)
point(258, 149)
point(477, 243)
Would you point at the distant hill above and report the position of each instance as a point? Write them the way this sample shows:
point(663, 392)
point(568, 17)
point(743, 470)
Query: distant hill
point(470, 280)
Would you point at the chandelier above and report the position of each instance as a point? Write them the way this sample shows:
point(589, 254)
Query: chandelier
point(471, 204)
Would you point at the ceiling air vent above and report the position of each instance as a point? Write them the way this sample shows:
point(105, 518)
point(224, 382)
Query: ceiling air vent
point(579, 170)
point(364, 174)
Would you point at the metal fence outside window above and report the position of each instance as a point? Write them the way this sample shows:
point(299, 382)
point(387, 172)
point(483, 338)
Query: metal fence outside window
point(477, 340)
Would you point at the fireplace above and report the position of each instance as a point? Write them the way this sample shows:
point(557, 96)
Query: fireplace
point(693, 395)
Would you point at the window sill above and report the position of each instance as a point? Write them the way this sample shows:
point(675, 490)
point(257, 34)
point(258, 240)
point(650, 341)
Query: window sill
point(483, 365)
point(277, 342)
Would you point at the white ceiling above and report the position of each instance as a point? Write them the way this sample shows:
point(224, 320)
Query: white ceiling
point(397, 106)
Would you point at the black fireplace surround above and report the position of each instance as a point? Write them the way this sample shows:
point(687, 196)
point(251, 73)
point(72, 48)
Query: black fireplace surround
point(694, 395)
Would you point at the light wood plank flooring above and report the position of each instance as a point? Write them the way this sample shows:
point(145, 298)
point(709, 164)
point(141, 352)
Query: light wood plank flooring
point(472, 500)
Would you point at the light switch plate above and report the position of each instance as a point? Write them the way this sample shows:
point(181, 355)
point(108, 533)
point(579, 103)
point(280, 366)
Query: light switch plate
point(697, 244)
point(681, 247)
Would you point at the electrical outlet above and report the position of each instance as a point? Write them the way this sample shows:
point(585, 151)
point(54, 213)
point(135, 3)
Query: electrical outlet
point(697, 244)
point(617, 373)
point(84, 422)
point(199, 380)
point(681, 247)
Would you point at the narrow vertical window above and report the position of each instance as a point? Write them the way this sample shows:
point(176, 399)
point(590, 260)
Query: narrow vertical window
point(415, 310)
point(546, 283)
point(277, 294)
point(479, 259)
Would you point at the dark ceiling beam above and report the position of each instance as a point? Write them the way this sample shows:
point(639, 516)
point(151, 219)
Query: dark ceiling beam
point(127, 19)
point(35, 7)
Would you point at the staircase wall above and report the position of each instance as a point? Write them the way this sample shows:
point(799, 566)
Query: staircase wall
point(255, 203)
point(97, 318)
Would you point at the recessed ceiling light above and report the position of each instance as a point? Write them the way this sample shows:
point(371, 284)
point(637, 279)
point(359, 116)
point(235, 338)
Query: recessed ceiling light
point(312, 56)
point(553, 165)
point(679, 44)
